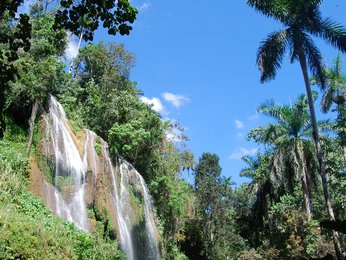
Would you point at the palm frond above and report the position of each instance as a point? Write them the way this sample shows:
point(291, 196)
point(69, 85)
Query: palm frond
point(272, 109)
point(306, 131)
point(327, 99)
point(269, 135)
point(313, 80)
point(337, 66)
point(326, 126)
point(252, 163)
point(313, 3)
point(331, 31)
point(304, 14)
point(277, 9)
point(336, 83)
point(315, 59)
point(302, 103)
point(270, 54)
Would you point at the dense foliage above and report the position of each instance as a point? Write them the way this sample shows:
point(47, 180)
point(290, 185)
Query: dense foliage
point(81, 18)
point(279, 214)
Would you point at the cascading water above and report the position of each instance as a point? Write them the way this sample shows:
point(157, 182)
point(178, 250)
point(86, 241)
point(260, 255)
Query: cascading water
point(91, 179)
point(129, 175)
point(69, 169)
point(90, 161)
point(126, 242)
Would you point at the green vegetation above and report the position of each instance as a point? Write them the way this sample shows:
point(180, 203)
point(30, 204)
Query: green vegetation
point(215, 211)
point(302, 20)
point(280, 214)
point(28, 229)
point(286, 191)
point(98, 149)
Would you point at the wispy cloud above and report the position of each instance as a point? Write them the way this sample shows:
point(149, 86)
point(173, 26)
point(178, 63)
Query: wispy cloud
point(241, 151)
point(174, 99)
point(71, 50)
point(144, 7)
point(155, 102)
point(239, 124)
point(253, 118)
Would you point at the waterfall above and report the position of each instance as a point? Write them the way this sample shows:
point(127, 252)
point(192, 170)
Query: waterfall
point(130, 175)
point(123, 227)
point(69, 169)
point(84, 175)
point(90, 161)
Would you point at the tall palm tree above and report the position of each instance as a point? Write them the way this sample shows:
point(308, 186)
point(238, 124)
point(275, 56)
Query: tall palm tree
point(289, 139)
point(301, 19)
point(334, 92)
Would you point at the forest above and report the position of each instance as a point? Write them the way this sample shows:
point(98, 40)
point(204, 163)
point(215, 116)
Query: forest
point(128, 199)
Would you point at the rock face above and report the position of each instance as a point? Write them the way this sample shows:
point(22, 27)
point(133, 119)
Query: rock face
point(78, 181)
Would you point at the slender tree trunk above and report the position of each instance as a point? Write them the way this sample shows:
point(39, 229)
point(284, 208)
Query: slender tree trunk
point(320, 157)
point(31, 126)
point(78, 46)
point(341, 124)
point(299, 151)
point(305, 189)
point(2, 124)
point(2, 105)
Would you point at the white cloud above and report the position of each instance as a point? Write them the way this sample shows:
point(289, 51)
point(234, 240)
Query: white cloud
point(239, 124)
point(241, 151)
point(144, 7)
point(176, 100)
point(253, 118)
point(71, 50)
point(155, 102)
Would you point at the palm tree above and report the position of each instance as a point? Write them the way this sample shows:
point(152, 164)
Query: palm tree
point(289, 139)
point(335, 93)
point(301, 19)
point(258, 169)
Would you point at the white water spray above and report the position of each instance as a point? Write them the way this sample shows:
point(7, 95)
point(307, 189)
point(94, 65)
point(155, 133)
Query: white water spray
point(69, 170)
point(126, 242)
point(127, 171)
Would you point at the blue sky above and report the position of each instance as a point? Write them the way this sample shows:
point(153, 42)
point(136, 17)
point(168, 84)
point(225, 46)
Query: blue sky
point(196, 63)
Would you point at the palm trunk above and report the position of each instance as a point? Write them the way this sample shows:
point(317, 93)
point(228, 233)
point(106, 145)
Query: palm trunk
point(306, 195)
point(320, 157)
point(304, 179)
point(31, 126)
point(2, 125)
point(341, 125)
point(2, 105)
